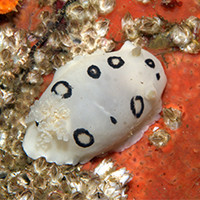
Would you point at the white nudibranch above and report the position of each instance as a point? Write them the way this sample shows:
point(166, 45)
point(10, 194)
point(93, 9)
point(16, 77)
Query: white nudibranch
point(96, 103)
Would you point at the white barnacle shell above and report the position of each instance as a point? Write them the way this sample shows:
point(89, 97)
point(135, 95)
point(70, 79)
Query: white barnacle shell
point(96, 103)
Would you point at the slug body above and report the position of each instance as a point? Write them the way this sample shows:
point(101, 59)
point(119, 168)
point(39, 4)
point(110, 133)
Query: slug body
point(95, 104)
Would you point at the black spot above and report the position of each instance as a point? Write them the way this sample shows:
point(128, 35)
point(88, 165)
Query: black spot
point(150, 63)
point(82, 131)
point(36, 123)
point(115, 62)
point(113, 120)
point(65, 84)
point(94, 72)
point(133, 109)
point(158, 76)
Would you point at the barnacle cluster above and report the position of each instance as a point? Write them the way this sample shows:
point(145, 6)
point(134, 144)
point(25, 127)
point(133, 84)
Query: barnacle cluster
point(16, 94)
point(172, 118)
point(78, 33)
point(59, 37)
point(158, 33)
point(49, 181)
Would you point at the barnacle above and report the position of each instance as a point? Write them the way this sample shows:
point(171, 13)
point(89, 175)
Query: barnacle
point(39, 31)
point(7, 96)
point(76, 12)
point(194, 23)
point(91, 12)
point(193, 47)
point(180, 35)
point(102, 27)
point(172, 117)
point(148, 25)
point(159, 138)
point(88, 31)
point(104, 6)
point(105, 44)
point(114, 181)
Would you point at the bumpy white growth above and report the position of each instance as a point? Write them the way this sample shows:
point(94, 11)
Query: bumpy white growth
point(51, 118)
point(105, 183)
point(114, 181)
point(96, 103)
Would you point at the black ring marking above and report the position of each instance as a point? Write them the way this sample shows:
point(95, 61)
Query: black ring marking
point(150, 63)
point(112, 64)
point(113, 120)
point(133, 109)
point(66, 84)
point(80, 131)
point(94, 72)
point(158, 76)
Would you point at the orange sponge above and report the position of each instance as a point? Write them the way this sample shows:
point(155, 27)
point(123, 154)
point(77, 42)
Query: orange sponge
point(7, 6)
